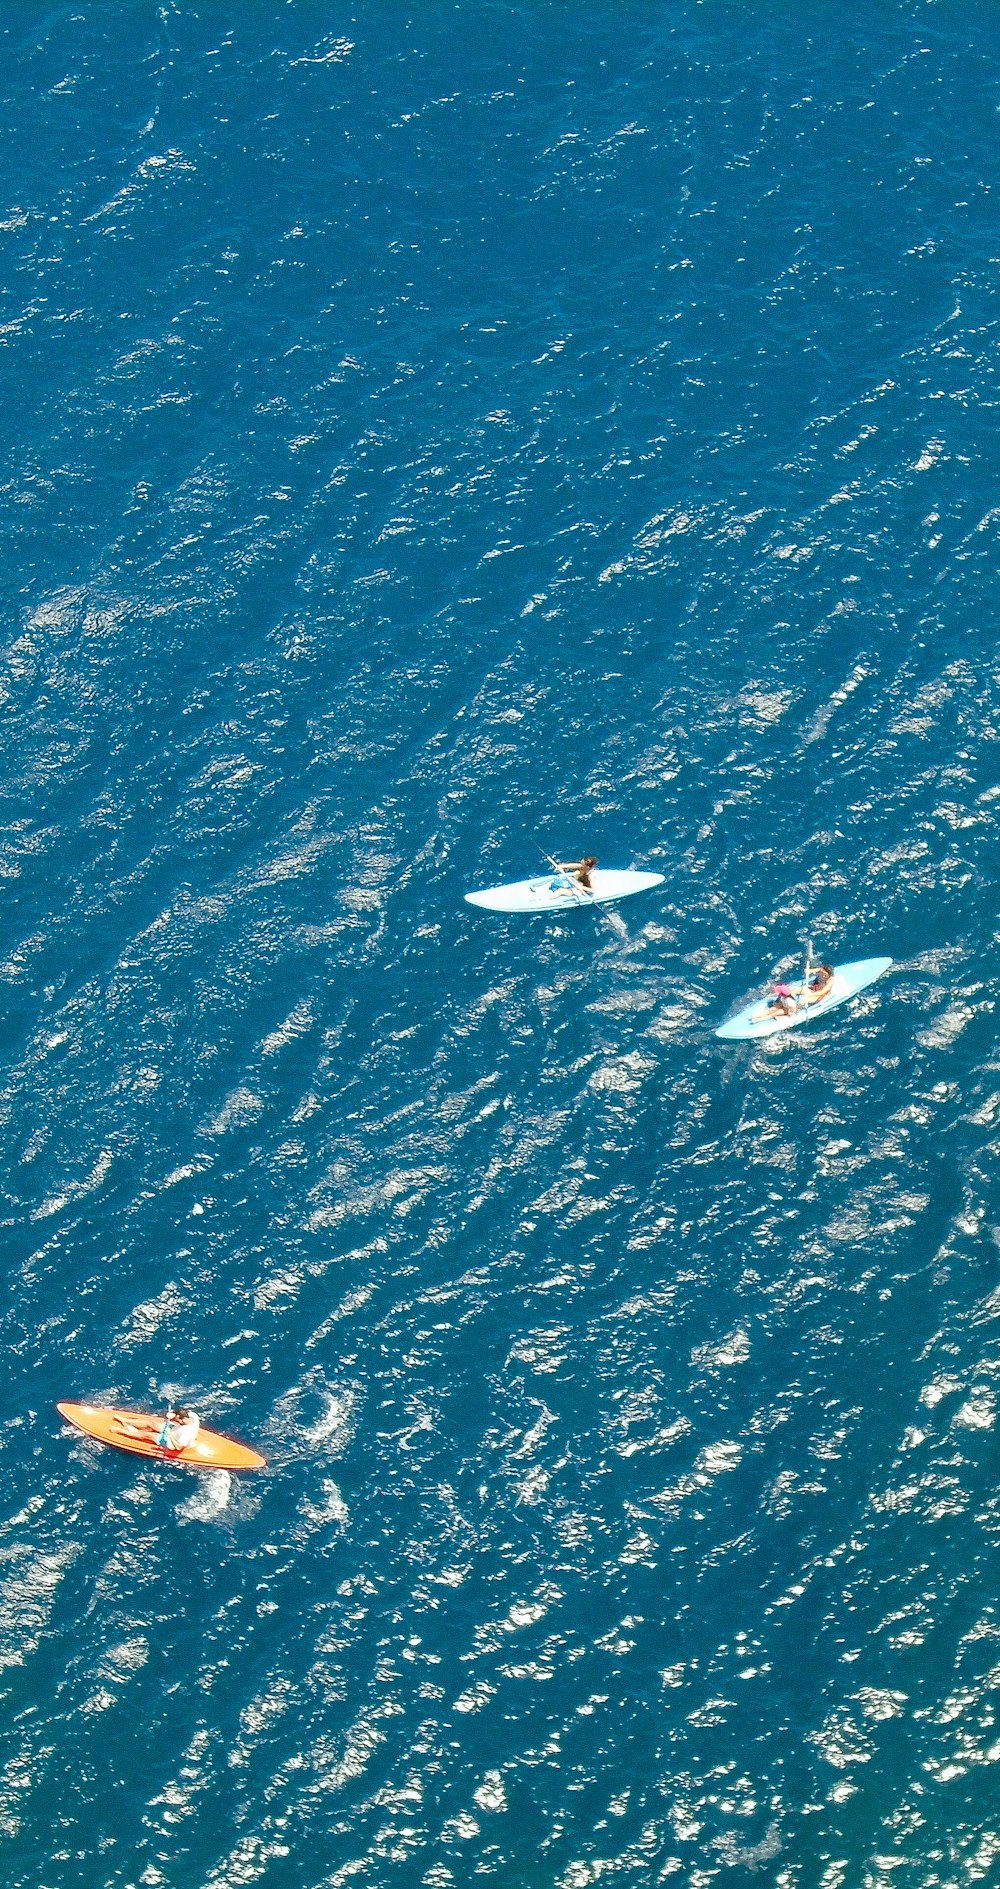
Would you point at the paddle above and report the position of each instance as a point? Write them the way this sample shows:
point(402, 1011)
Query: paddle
point(807, 968)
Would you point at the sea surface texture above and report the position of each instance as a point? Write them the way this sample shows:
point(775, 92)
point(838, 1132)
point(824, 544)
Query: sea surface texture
point(435, 438)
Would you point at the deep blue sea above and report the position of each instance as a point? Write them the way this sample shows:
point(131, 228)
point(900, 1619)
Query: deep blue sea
point(434, 437)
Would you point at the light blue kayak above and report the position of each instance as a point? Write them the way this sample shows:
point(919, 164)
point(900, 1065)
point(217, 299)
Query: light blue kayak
point(559, 892)
point(758, 1019)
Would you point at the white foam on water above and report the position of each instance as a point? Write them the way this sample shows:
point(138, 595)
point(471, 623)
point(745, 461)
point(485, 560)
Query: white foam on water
point(27, 1596)
point(298, 1021)
point(210, 1499)
point(239, 1110)
point(491, 1793)
point(330, 1510)
point(145, 1321)
point(315, 1415)
point(735, 1349)
point(979, 1412)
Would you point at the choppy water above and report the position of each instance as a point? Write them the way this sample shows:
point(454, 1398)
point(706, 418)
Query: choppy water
point(434, 435)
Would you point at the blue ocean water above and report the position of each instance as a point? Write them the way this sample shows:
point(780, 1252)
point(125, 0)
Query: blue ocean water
point(437, 437)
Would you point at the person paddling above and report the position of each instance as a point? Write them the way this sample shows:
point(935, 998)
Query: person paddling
point(581, 870)
point(820, 984)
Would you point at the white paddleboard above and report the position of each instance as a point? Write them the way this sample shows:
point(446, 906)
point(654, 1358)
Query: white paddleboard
point(757, 1020)
point(559, 892)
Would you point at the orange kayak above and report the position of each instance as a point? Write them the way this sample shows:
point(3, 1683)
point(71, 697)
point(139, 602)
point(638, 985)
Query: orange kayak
point(208, 1451)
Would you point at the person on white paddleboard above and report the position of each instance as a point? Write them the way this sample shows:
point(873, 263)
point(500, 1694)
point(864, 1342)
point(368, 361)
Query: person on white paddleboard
point(581, 870)
point(781, 1003)
point(820, 983)
point(176, 1432)
point(784, 1002)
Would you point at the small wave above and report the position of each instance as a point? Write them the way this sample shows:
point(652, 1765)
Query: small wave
point(732, 1350)
point(329, 1431)
point(332, 1508)
point(210, 1499)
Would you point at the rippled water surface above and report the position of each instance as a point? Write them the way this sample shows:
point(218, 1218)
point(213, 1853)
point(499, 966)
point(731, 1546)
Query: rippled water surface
point(437, 438)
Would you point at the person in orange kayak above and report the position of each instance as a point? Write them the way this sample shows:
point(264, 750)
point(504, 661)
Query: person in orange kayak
point(176, 1432)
